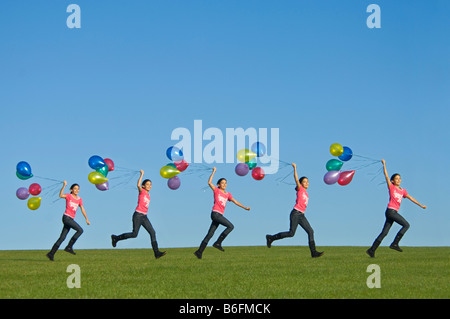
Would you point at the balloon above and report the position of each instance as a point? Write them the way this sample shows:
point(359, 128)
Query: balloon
point(35, 189)
point(103, 186)
point(103, 170)
point(174, 154)
point(168, 171)
point(181, 165)
point(251, 163)
point(22, 193)
point(331, 177)
point(96, 178)
point(258, 148)
point(346, 155)
point(245, 155)
point(241, 169)
point(258, 173)
point(174, 182)
point(23, 168)
point(334, 165)
point(23, 177)
point(96, 162)
point(34, 203)
point(336, 149)
point(110, 164)
point(345, 177)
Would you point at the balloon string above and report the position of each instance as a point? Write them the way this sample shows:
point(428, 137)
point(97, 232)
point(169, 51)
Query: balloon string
point(49, 179)
point(368, 158)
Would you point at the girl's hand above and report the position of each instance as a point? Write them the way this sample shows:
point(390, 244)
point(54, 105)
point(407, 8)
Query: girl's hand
point(142, 172)
point(65, 183)
point(423, 206)
point(87, 221)
point(294, 165)
point(383, 161)
point(247, 208)
point(214, 169)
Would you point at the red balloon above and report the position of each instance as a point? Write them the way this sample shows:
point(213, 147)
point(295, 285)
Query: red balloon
point(181, 165)
point(258, 173)
point(35, 189)
point(110, 164)
point(345, 177)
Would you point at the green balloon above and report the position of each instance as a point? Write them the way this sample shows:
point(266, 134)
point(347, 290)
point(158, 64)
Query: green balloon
point(251, 163)
point(334, 165)
point(23, 177)
point(103, 170)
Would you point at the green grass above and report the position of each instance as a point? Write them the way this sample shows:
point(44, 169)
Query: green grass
point(281, 272)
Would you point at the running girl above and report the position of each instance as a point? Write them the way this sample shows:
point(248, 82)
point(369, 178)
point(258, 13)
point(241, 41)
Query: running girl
point(73, 201)
point(396, 194)
point(298, 216)
point(220, 201)
point(140, 217)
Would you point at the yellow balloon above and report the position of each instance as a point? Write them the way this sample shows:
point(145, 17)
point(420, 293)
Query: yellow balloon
point(97, 178)
point(245, 155)
point(336, 149)
point(168, 171)
point(34, 203)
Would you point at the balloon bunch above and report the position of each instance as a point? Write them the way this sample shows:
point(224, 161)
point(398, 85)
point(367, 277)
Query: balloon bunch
point(23, 172)
point(334, 166)
point(101, 169)
point(249, 162)
point(171, 170)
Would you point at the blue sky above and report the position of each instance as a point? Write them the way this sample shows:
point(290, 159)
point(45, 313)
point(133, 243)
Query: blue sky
point(136, 71)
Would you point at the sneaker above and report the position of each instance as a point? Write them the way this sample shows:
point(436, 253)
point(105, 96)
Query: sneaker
point(114, 240)
point(317, 254)
point(198, 254)
point(159, 254)
point(395, 247)
point(370, 252)
point(269, 241)
point(69, 250)
point(218, 246)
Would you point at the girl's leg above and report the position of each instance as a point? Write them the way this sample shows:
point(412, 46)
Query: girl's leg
point(207, 238)
point(137, 222)
point(387, 226)
point(294, 221)
point(307, 227)
point(402, 221)
point(219, 218)
point(72, 224)
point(61, 238)
point(148, 226)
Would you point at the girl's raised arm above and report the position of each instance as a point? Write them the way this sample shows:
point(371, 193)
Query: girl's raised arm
point(210, 179)
point(296, 175)
point(388, 181)
point(61, 192)
point(139, 183)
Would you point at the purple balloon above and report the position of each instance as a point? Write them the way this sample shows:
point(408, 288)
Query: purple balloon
point(331, 177)
point(103, 186)
point(242, 169)
point(174, 182)
point(22, 193)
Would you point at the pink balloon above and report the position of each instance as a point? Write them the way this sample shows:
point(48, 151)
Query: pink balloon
point(181, 165)
point(35, 189)
point(345, 177)
point(110, 164)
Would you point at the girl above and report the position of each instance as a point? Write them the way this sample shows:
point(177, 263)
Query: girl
point(396, 194)
point(220, 201)
point(298, 216)
point(140, 217)
point(73, 201)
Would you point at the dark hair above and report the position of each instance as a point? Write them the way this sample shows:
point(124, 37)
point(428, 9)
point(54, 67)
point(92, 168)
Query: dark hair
point(145, 181)
point(301, 180)
point(394, 176)
point(220, 180)
point(73, 185)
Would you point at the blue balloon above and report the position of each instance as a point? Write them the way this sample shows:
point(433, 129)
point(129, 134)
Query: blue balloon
point(96, 162)
point(346, 155)
point(23, 169)
point(174, 154)
point(259, 149)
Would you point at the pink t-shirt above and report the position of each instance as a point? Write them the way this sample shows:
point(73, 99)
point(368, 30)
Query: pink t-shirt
point(143, 202)
point(302, 200)
point(72, 204)
point(395, 196)
point(220, 200)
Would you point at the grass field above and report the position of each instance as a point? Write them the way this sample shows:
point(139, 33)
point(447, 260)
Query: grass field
point(281, 272)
